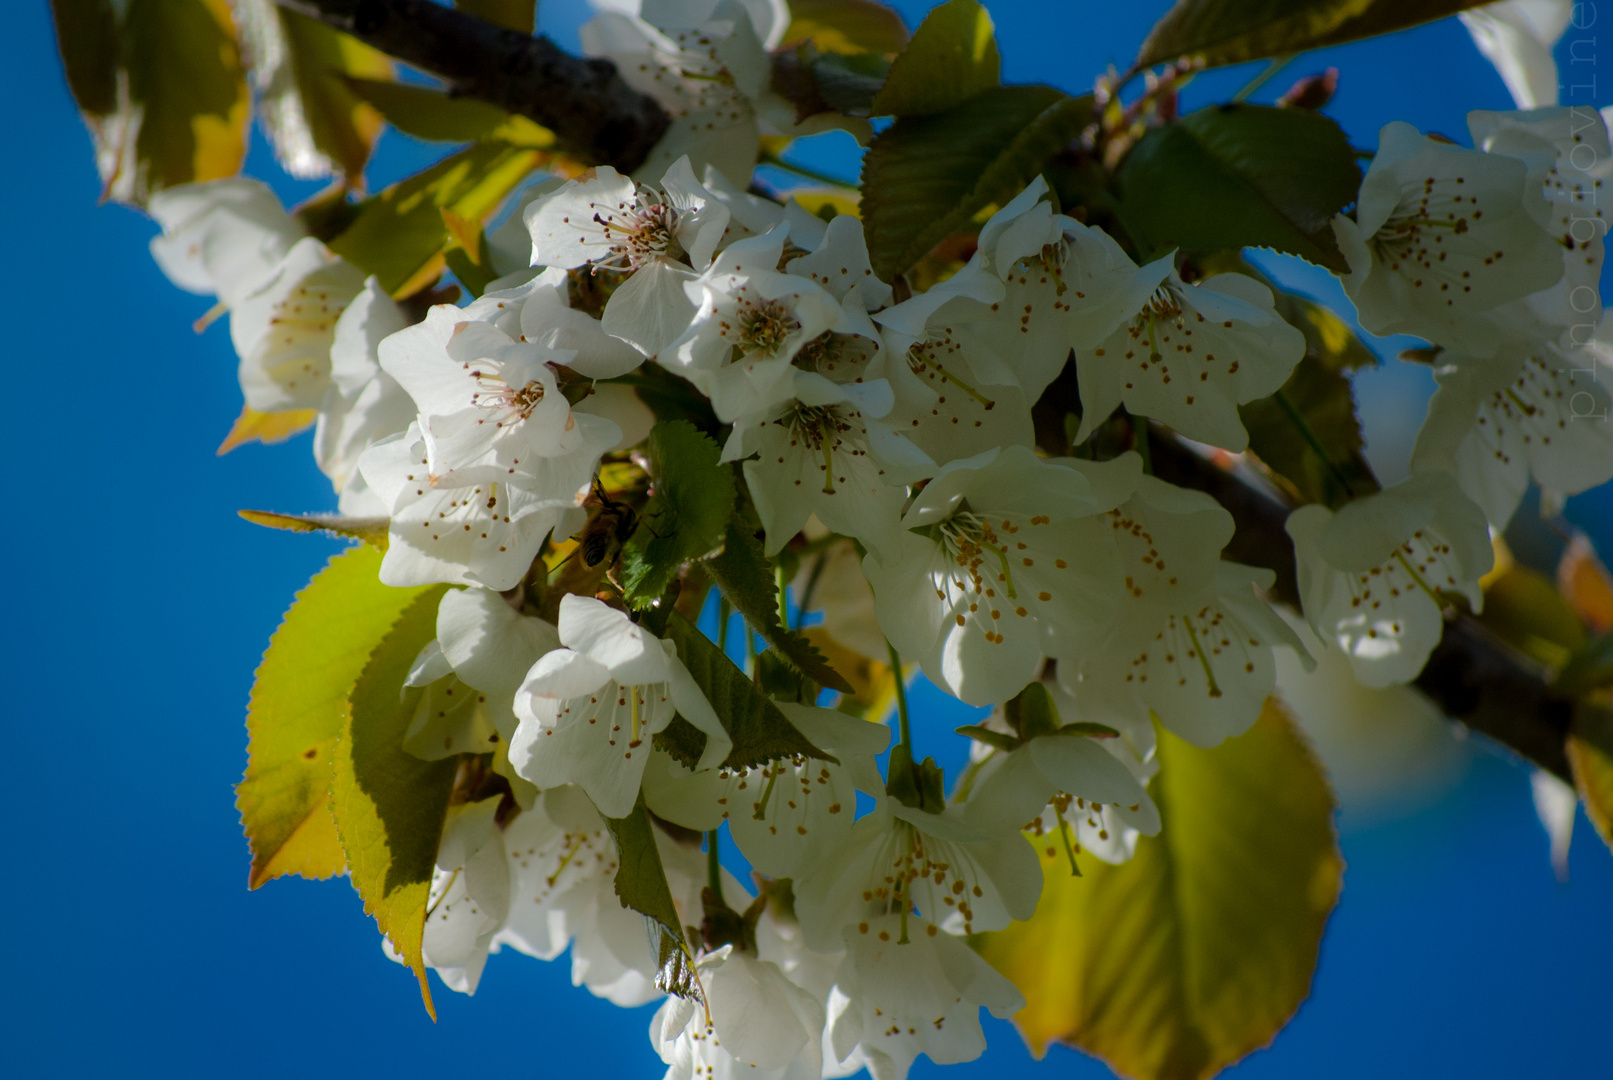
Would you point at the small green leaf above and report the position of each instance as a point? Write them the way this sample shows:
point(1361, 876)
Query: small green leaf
point(1308, 434)
point(1231, 31)
point(686, 519)
point(161, 87)
point(759, 729)
point(314, 120)
point(295, 714)
point(1031, 712)
point(1590, 756)
point(846, 26)
point(1589, 669)
point(1237, 176)
point(1524, 608)
point(995, 739)
point(746, 578)
point(513, 14)
point(927, 177)
point(373, 531)
point(1194, 953)
point(435, 116)
point(1088, 729)
point(641, 885)
point(399, 234)
point(952, 57)
point(389, 805)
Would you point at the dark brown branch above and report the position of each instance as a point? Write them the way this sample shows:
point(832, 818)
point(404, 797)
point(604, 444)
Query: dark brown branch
point(591, 110)
point(1471, 676)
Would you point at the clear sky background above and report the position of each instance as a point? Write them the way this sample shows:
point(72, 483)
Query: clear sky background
point(139, 605)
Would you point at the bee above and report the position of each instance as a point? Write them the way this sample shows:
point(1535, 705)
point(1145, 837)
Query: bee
point(602, 539)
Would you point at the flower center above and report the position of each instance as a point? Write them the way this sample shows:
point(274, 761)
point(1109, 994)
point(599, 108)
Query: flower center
point(969, 540)
point(819, 430)
point(492, 392)
point(764, 325)
point(922, 361)
point(639, 233)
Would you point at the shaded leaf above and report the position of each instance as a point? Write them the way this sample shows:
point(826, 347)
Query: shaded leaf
point(641, 885)
point(161, 87)
point(1194, 953)
point(399, 234)
point(514, 14)
point(1308, 434)
point(389, 805)
point(1590, 756)
point(435, 116)
point(1523, 608)
point(1588, 669)
point(759, 729)
point(952, 57)
point(745, 576)
point(1232, 31)
point(296, 712)
point(828, 82)
point(267, 428)
point(688, 516)
point(372, 531)
point(846, 26)
point(1236, 176)
point(926, 177)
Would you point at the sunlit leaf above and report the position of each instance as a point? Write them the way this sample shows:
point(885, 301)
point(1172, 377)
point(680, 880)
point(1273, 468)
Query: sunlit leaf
point(1590, 755)
point(1181, 961)
point(373, 531)
point(1231, 31)
point(267, 428)
point(389, 806)
point(296, 714)
point(926, 177)
point(514, 14)
point(1235, 176)
point(846, 26)
point(1523, 608)
point(1586, 584)
point(436, 116)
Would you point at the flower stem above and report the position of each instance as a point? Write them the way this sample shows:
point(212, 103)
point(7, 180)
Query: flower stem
point(725, 615)
point(1276, 65)
point(903, 726)
point(713, 866)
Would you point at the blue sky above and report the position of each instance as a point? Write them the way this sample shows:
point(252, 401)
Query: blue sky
point(139, 614)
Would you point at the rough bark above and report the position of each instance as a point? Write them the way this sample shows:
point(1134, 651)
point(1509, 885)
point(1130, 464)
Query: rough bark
point(594, 113)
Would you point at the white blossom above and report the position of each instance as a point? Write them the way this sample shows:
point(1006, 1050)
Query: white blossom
point(469, 897)
point(363, 404)
point(589, 710)
point(221, 237)
point(1443, 236)
point(1371, 574)
point(1518, 36)
point(1002, 555)
point(755, 1022)
point(1190, 357)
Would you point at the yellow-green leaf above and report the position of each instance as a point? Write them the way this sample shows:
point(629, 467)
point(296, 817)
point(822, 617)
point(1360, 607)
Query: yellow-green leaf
point(389, 805)
point(1194, 953)
point(399, 234)
point(1523, 608)
point(1590, 756)
point(161, 87)
point(295, 715)
point(314, 120)
point(267, 428)
point(438, 117)
point(373, 531)
point(1232, 31)
point(846, 26)
point(514, 14)
point(952, 57)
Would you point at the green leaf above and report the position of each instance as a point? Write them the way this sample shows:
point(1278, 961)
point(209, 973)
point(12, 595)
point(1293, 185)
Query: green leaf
point(688, 516)
point(373, 531)
point(400, 236)
point(1589, 669)
point(846, 26)
point(1199, 949)
point(1231, 31)
point(1524, 608)
point(1236, 176)
point(745, 576)
point(927, 177)
point(952, 57)
point(161, 88)
point(1307, 433)
point(295, 715)
point(389, 805)
point(314, 120)
point(434, 116)
point(1590, 756)
point(514, 14)
point(817, 82)
point(641, 885)
point(759, 729)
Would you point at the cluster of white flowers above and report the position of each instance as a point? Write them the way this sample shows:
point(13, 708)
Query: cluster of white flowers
point(898, 434)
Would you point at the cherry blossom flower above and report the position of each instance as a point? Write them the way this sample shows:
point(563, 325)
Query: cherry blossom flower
point(1518, 36)
point(755, 1022)
point(589, 710)
point(469, 897)
point(363, 404)
point(1371, 574)
point(221, 238)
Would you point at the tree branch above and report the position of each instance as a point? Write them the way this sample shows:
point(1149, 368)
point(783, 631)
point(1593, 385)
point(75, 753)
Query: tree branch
point(586, 103)
point(1470, 676)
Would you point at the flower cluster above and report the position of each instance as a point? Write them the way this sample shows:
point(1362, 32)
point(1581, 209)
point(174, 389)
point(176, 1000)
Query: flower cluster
point(882, 440)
